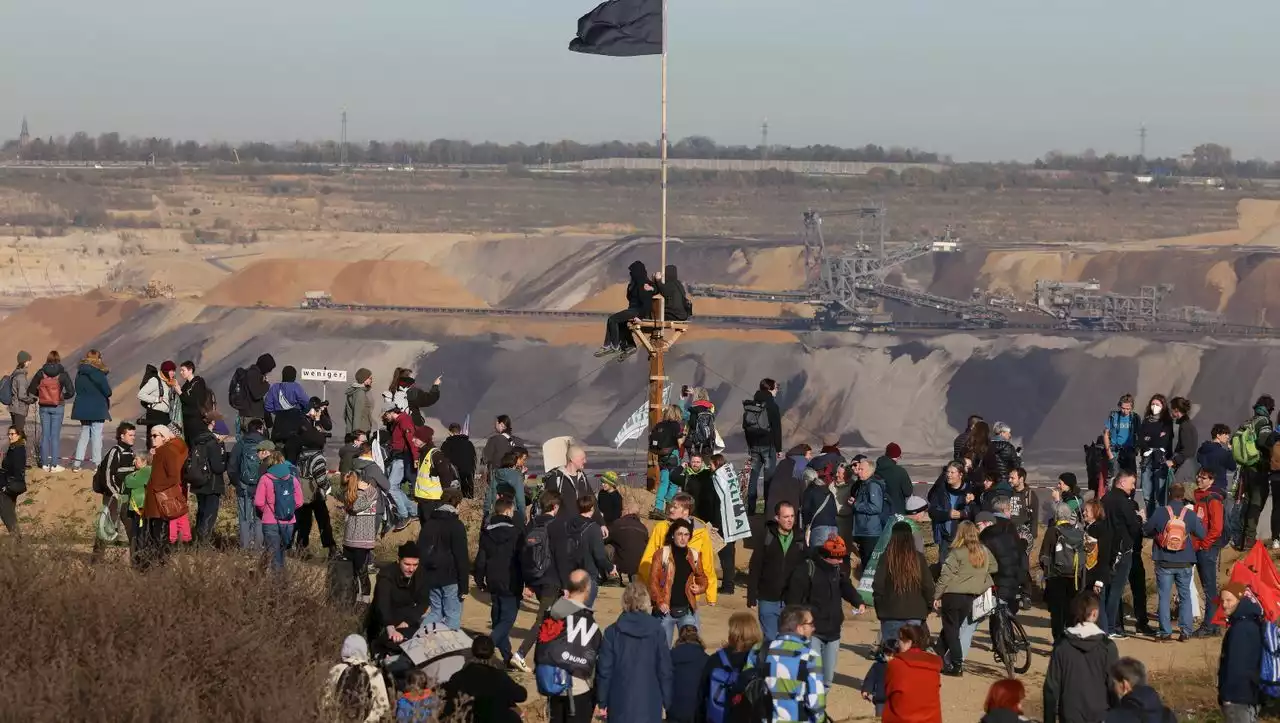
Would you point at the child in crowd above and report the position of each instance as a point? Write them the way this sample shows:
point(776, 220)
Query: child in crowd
point(873, 684)
point(416, 704)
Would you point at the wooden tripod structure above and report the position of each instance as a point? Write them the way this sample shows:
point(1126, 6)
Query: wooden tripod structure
point(657, 336)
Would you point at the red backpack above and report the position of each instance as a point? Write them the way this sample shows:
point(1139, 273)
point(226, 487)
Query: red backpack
point(1174, 536)
point(49, 393)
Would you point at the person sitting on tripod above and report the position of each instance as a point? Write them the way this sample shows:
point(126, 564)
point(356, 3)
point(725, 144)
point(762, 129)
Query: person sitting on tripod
point(617, 339)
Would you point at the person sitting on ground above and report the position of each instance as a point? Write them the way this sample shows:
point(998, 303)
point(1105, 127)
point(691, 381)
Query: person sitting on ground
point(627, 539)
point(1076, 684)
point(1004, 702)
point(357, 691)
point(400, 599)
point(1239, 691)
point(1139, 702)
point(617, 338)
point(913, 682)
point(418, 703)
point(634, 672)
point(482, 692)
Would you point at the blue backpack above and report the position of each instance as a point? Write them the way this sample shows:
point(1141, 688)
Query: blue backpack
point(724, 679)
point(552, 681)
point(249, 466)
point(1269, 675)
point(286, 503)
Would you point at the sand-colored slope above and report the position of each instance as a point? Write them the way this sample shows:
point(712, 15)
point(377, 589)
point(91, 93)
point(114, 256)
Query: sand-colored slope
point(64, 324)
point(284, 282)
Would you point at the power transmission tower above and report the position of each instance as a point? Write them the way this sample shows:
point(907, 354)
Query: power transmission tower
point(342, 145)
point(1142, 141)
point(764, 140)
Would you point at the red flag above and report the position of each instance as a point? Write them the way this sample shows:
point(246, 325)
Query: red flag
point(1258, 572)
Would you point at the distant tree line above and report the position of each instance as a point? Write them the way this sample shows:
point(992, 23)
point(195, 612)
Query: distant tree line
point(442, 151)
point(1206, 159)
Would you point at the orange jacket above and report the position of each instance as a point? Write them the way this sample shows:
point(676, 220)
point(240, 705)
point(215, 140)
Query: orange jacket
point(662, 573)
point(1209, 510)
point(913, 688)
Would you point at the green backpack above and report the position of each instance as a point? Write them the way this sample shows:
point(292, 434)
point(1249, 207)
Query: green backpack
point(1244, 445)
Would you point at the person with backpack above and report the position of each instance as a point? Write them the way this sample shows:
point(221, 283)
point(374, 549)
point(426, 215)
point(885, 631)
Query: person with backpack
point(1120, 436)
point(779, 550)
point(538, 569)
point(722, 673)
point(417, 702)
point(762, 427)
point(52, 387)
point(497, 571)
point(965, 575)
point(13, 478)
point(871, 508)
point(577, 544)
point(446, 566)
point(700, 431)
point(676, 579)
point(665, 440)
point(634, 671)
point(688, 660)
point(203, 474)
point(569, 480)
point(1240, 663)
point(1138, 702)
point(1210, 510)
point(822, 584)
point(897, 482)
point(1173, 528)
point(109, 481)
point(357, 690)
point(14, 394)
point(1215, 455)
point(493, 696)
point(783, 679)
point(242, 467)
point(569, 642)
point(818, 509)
point(158, 395)
point(1062, 561)
point(640, 292)
point(1076, 685)
point(1250, 451)
point(277, 499)
point(166, 497)
point(248, 390)
point(197, 401)
point(1121, 515)
point(913, 682)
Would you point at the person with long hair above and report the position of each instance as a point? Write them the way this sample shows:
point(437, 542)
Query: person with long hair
point(902, 590)
point(966, 574)
point(360, 532)
point(1155, 448)
point(13, 478)
point(1004, 701)
point(92, 407)
point(744, 635)
point(912, 685)
point(52, 387)
point(974, 454)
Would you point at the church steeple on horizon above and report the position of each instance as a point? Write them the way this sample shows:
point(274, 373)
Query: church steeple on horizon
point(24, 137)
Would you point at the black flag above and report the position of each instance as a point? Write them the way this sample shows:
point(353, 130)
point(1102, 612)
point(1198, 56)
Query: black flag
point(621, 28)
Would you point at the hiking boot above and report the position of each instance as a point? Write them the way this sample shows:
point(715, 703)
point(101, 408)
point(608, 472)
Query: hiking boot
point(1146, 630)
point(1183, 636)
point(518, 663)
point(627, 354)
point(1207, 631)
point(953, 671)
point(606, 350)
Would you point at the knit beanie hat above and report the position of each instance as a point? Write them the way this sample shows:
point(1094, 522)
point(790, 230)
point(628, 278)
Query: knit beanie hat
point(362, 375)
point(23, 357)
point(1235, 587)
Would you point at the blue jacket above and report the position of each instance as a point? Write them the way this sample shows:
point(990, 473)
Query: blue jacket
point(293, 395)
point(93, 395)
point(1238, 665)
point(633, 671)
point(1155, 525)
point(687, 663)
point(818, 507)
point(868, 508)
point(940, 507)
point(1217, 459)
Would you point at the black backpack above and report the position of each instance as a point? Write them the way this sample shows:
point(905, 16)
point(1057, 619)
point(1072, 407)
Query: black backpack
point(535, 554)
point(196, 471)
point(1068, 557)
point(702, 430)
point(238, 391)
point(755, 417)
point(750, 700)
point(100, 482)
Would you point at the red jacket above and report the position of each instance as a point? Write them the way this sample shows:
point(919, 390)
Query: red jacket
point(402, 432)
point(1209, 510)
point(913, 688)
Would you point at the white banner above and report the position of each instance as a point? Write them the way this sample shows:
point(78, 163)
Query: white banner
point(638, 422)
point(322, 375)
point(733, 511)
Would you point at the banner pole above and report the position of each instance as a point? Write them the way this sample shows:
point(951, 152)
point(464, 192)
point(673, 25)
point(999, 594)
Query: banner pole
point(663, 267)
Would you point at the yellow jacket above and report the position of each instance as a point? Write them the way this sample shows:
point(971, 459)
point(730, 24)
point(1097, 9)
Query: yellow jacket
point(700, 542)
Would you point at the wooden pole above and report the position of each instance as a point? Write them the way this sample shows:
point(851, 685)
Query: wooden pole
point(658, 347)
point(662, 268)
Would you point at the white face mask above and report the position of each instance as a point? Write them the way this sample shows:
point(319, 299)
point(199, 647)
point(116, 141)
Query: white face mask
point(1156, 409)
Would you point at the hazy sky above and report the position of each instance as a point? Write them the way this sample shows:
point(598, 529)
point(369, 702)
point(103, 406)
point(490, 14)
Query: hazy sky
point(981, 79)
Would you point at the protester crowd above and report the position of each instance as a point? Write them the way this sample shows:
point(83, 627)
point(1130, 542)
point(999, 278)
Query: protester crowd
point(832, 536)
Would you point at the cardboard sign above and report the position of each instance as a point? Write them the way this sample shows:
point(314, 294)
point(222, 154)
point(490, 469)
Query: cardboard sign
point(638, 422)
point(322, 375)
point(733, 511)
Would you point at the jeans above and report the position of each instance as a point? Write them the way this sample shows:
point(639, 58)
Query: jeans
point(90, 434)
point(966, 637)
point(819, 534)
point(889, 628)
point(1166, 578)
point(50, 435)
point(830, 652)
point(1113, 591)
point(502, 617)
point(1239, 713)
point(666, 490)
point(407, 508)
point(1155, 487)
point(276, 538)
point(247, 518)
point(763, 461)
point(443, 606)
point(1207, 571)
point(769, 612)
point(671, 625)
point(206, 516)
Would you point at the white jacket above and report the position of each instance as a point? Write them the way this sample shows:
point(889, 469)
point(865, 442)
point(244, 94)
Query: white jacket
point(380, 705)
point(156, 395)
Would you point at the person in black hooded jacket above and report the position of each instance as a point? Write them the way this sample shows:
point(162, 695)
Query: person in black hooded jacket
point(1139, 702)
point(822, 582)
point(1238, 668)
point(1077, 683)
point(1001, 537)
point(677, 306)
point(256, 387)
point(497, 570)
point(639, 305)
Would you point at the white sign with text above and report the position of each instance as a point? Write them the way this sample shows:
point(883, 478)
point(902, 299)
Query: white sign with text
point(322, 375)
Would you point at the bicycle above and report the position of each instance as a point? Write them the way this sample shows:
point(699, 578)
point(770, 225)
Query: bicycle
point(1010, 642)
